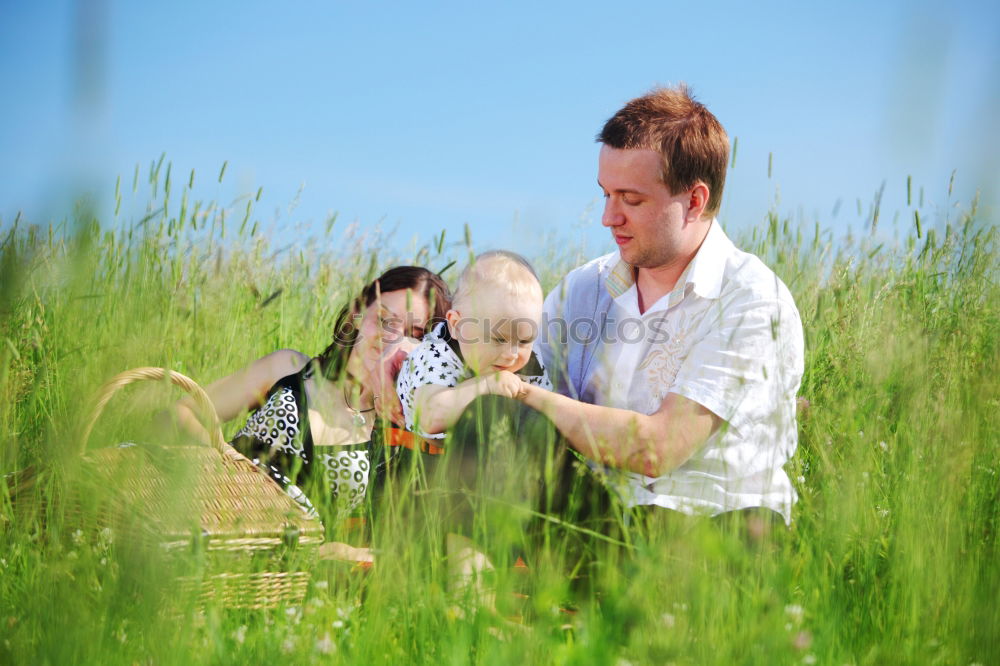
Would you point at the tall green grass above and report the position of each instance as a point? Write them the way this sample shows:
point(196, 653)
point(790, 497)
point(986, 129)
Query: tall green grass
point(892, 557)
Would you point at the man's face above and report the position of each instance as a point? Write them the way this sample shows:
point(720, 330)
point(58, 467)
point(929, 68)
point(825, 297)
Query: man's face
point(647, 221)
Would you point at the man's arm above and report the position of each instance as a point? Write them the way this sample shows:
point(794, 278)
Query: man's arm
point(739, 372)
point(646, 444)
point(651, 444)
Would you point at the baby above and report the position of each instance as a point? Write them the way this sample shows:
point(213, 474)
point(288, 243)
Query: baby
point(484, 347)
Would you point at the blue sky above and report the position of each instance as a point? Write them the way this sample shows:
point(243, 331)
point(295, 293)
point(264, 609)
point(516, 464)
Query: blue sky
point(428, 116)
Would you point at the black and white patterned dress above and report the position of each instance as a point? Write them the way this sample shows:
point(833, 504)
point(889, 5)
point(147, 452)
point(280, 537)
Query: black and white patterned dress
point(438, 360)
point(278, 439)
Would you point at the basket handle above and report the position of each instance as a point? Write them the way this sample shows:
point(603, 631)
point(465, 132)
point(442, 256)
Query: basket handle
point(123, 379)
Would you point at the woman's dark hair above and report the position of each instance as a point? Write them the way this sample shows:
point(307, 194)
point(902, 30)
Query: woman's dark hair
point(421, 283)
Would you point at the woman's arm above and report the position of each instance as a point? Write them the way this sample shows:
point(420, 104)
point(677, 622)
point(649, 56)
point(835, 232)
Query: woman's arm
point(437, 408)
point(242, 390)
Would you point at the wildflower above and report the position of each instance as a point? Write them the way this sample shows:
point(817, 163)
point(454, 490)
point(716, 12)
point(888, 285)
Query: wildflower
point(802, 640)
point(809, 659)
point(668, 619)
point(325, 645)
point(800, 479)
point(882, 445)
point(338, 624)
point(794, 612)
point(288, 645)
point(321, 585)
point(105, 538)
point(240, 634)
point(77, 537)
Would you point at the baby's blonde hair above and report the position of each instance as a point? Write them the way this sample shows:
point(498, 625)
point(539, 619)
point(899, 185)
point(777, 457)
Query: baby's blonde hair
point(499, 269)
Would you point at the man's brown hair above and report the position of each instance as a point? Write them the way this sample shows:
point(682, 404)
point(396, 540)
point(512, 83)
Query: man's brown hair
point(691, 141)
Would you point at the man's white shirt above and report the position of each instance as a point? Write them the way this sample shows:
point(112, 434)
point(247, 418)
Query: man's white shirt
point(728, 336)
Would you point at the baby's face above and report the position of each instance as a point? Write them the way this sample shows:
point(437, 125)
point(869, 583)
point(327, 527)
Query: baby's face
point(496, 332)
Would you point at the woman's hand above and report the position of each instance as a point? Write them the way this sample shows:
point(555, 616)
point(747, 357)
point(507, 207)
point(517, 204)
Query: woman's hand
point(381, 379)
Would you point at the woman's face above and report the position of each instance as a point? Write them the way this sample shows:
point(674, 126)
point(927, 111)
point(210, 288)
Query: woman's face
point(385, 325)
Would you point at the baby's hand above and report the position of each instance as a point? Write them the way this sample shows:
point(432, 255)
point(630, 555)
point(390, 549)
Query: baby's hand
point(504, 383)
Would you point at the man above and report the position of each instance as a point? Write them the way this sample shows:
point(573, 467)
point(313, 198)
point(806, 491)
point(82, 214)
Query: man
point(677, 358)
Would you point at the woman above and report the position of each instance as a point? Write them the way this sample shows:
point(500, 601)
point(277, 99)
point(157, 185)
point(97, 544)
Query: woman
point(313, 417)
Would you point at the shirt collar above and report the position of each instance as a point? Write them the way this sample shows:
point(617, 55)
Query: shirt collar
point(703, 274)
point(619, 279)
point(706, 270)
point(442, 334)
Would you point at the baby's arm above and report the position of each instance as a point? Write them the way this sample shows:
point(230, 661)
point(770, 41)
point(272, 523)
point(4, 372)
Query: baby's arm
point(437, 408)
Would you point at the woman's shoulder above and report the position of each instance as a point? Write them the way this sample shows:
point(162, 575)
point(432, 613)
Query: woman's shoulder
point(285, 361)
point(269, 370)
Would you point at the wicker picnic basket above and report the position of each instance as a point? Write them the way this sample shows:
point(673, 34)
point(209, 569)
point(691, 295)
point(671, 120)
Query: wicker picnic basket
point(253, 539)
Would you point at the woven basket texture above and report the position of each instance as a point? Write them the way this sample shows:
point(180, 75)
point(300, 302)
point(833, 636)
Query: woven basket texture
point(172, 495)
point(211, 500)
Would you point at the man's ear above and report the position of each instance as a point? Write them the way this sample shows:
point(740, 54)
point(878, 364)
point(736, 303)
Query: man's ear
point(697, 201)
